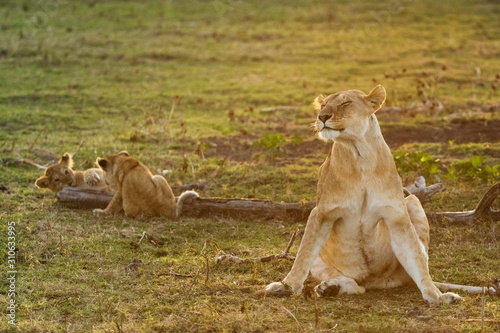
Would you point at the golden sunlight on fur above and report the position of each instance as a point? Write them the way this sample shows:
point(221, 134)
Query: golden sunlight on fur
point(137, 191)
point(363, 234)
point(61, 174)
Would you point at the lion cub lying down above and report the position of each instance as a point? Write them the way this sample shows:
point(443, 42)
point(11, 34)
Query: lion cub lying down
point(362, 234)
point(137, 191)
point(61, 174)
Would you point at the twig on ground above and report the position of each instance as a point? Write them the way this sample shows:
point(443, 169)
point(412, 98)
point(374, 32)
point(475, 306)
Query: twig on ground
point(77, 149)
point(177, 275)
point(238, 260)
point(299, 328)
point(36, 139)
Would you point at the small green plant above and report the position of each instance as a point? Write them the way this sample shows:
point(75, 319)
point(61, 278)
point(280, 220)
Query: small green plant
point(472, 169)
point(417, 162)
point(420, 163)
point(274, 143)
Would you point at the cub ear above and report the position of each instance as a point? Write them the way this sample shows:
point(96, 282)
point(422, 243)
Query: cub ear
point(66, 160)
point(124, 153)
point(102, 163)
point(42, 182)
point(376, 97)
point(318, 101)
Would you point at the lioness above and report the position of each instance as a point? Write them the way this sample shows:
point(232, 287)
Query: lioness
point(61, 174)
point(137, 191)
point(362, 234)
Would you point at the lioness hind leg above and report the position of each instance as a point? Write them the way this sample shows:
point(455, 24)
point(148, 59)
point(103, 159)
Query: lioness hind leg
point(419, 220)
point(421, 225)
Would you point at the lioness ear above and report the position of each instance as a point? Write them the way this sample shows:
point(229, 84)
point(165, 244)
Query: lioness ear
point(102, 163)
point(124, 153)
point(318, 101)
point(376, 97)
point(67, 160)
point(42, 182)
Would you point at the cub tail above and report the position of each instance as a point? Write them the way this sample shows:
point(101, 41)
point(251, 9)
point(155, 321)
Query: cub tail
point(180, 202)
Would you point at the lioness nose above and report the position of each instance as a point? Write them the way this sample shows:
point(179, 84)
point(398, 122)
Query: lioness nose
point(324, 117)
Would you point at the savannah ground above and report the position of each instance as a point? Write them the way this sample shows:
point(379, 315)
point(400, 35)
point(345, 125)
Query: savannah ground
point(181, 86)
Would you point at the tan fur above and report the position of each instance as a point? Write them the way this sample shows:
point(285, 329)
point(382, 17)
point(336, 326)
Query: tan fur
point(363, 233)
point(137, 191)
point(61, 174)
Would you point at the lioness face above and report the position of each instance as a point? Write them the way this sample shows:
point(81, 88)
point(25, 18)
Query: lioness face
point(58, 175)
point(345, 115)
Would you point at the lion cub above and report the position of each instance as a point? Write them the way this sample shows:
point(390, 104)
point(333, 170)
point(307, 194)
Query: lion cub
point(137, 191)
point(61, 174)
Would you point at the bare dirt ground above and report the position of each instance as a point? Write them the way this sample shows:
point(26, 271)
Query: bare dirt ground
point(460, 131)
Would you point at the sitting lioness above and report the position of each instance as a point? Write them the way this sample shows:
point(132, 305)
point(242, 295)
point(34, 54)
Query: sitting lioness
point(362, 234)
point(137, 191)
point(61, 174)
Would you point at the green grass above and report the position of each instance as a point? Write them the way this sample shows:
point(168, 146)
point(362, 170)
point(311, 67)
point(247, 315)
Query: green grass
point(104, 74)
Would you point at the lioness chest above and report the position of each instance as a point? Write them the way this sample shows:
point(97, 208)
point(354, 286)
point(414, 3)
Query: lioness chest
point(359, 245)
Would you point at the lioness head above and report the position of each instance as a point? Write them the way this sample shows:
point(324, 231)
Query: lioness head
point(109, 166)
point(58, 175)
point(345, 115)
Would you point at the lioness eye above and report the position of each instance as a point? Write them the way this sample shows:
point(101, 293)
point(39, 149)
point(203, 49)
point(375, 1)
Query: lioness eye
point(56, 180)
point(345, 103)
point(67, 172)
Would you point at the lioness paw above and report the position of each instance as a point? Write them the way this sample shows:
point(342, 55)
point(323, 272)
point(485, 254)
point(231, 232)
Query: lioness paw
point(91, 178)
point(336, 287)
point(449, 298)
point(324, 290)
point(275, 287)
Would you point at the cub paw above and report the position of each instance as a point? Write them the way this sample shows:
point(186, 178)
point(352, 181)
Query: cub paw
point(97, 212)
point(325, 290)
point(449, 298)
point(91, 178)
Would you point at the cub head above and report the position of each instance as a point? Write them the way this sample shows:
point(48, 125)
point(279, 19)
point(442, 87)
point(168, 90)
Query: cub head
point(109, 166)
point(58, 175)
point(345, 116)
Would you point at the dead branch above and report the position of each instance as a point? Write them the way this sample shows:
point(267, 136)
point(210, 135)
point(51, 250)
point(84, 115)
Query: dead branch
point(483, 210)
point(177, 275)
point(238, 260)
point(421, 191)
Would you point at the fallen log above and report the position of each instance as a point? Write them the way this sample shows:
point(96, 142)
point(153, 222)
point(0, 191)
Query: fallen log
point(264, 209)
point(87, 198)
point(482, 211)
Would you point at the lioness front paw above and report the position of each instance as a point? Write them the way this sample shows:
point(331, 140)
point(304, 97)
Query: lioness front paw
point(449, 298)
point(91, 178)
point(278, 289)
point(275, 287)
